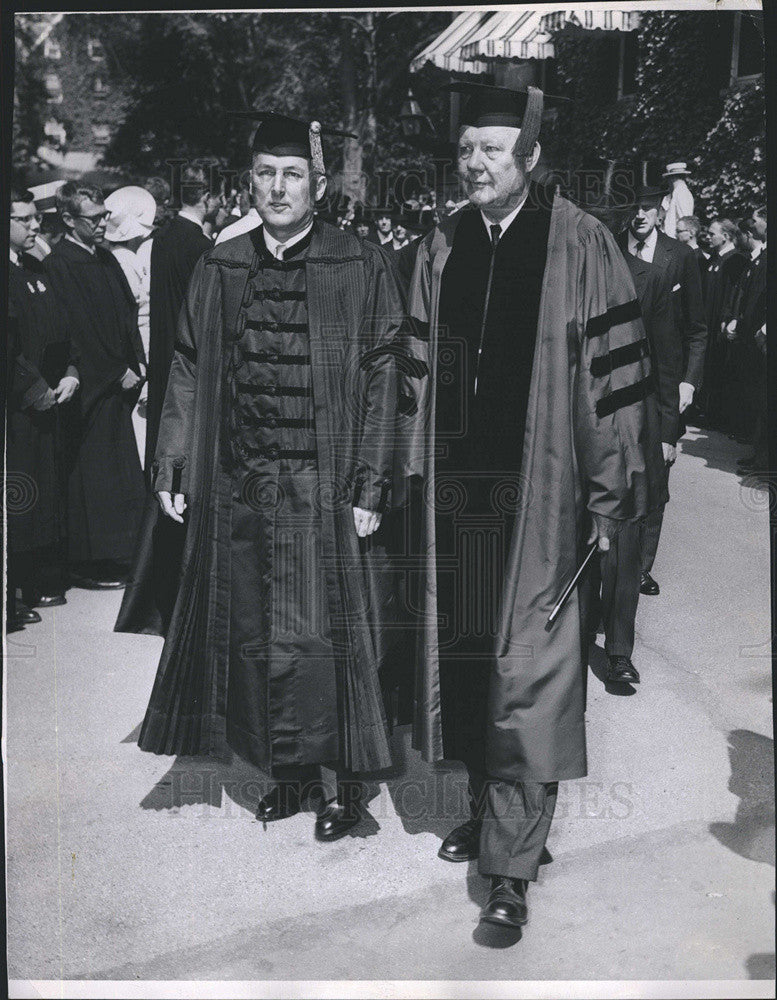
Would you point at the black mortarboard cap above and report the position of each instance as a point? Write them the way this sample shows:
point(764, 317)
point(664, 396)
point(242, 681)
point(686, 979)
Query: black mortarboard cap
point(484, 106)
point(281, 135)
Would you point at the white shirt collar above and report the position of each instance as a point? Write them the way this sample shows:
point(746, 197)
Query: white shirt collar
point(14, 256)
point(649, 247)
point(78, 243)
point(388, 238)
point(272, 244)
point(186, 213)
point(505, 224)
point(755, 253)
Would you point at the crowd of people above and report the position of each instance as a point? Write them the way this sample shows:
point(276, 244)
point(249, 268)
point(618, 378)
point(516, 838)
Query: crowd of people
point(242, 500)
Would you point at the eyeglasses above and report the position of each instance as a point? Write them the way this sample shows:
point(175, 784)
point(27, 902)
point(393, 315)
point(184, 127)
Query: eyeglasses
point(96, 219)
point(26, 220)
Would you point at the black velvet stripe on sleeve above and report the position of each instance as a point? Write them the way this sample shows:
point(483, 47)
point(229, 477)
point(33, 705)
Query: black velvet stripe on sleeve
point(616, 400)
point(626, 355)
point(597, 326)
point(190, 353)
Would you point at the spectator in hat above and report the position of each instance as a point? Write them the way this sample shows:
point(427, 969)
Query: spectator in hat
point(384, 227)
point(401, 236)
point(679, 201)
point(129, 226)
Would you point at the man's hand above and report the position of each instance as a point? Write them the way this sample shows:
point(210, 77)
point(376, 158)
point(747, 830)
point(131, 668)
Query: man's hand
point(172, 506)
point(603, 530)
point(366, 521)
point(129, 379)
point(670, 453)
point(66, 389)
point(46, 401)
point(686, 395)
point(760, 338)
point(731, 330)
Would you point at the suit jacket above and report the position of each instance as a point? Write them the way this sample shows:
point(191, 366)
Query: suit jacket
point(750, 303)
point(666, 354)
point(681, 266)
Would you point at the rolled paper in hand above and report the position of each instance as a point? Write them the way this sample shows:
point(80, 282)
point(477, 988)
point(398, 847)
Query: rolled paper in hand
point(571, 586)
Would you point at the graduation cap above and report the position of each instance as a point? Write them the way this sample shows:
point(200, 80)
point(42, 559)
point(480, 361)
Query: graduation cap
point(521, 109)
point(280, 135)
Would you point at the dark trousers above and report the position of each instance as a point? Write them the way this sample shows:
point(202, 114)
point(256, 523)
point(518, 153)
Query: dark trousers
point(516, 823)
point(651, 534)
point(321, 787)
point(37, 572)
point(619, 571)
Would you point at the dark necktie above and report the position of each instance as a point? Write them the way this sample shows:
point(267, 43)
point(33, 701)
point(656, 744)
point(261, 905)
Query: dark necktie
point(496, 232)
point(638, 248)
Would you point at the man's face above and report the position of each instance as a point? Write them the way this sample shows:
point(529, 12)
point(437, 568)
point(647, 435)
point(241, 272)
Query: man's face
point(88, 225)
point(491, 175)
point(285, 193)
point(684, 233)
point(644, 220)
point(758, 226)
point(214, 205)
point(383, 222)
point(25, 226)
point(400, 233)
point(362, 229)
point(717, 236)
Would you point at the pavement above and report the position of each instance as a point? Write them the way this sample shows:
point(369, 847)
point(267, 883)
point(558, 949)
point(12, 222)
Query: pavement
point(127, 866)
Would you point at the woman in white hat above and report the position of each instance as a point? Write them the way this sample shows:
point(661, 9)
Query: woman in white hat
point(129, 225)
point(679, 202)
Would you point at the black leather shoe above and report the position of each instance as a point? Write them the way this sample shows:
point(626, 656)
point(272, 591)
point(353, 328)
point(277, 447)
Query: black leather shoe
point(280, 802)
point(621, 671)
point(463, 843)
point(507, 902)
point(49, 601)
point(25, 615)
point(89, 583)
point(648, 585)
point(335, 821)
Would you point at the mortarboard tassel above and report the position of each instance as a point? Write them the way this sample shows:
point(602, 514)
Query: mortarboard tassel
point(316, 149)
point(532, 122)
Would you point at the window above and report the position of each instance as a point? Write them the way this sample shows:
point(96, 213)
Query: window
point(629, 63)
point(101, 134)
point(53, 88)
point(95, 49)
point(747, 55)
point(51, 49)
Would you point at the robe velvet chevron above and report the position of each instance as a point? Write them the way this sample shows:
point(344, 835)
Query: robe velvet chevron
point(592, 440)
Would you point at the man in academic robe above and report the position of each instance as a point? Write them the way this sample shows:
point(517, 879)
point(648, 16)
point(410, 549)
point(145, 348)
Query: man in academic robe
point(276, 438)
point(384, 227)
point(106, 490)
point(620, 567)
point(747, 334)
point(538, 433)
point(152, 586)
point(643, 239)
point(688, 232)
point(44, 380)
point(724, 273)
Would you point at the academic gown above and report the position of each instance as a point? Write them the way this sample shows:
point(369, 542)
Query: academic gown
point(43, 354)
point(724, 274)
point(106, 489)
point(149, 596)
point(278, 418)
point(591, 440)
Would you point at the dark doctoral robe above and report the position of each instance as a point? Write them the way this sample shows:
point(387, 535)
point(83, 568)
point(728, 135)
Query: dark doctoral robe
point(575, 417)
point(724, 274)
point(106, 489)
point(278, 419)
point(746, 365)
point(149, 596)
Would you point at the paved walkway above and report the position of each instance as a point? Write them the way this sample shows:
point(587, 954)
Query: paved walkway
point(123, 865)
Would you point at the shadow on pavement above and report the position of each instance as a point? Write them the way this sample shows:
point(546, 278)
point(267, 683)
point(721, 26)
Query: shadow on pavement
point(751, 835)
point(715, 449)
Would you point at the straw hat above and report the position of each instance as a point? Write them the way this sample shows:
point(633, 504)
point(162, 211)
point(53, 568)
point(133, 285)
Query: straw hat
point(132, 214)
point(677, 170)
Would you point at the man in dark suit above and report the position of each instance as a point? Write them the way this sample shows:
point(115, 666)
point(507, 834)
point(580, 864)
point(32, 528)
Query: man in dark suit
point(620, 566)
point(678, 262)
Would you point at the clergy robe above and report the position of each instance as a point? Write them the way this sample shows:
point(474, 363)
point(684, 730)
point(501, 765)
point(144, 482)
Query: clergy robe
point(591, 440)
point(278, 418)
point(106, 491)
point(149, 596)
point(42, 355)
point(724, 274)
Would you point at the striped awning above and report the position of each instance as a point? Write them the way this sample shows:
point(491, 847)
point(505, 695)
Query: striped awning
point(445, 51)
point(476, 36)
